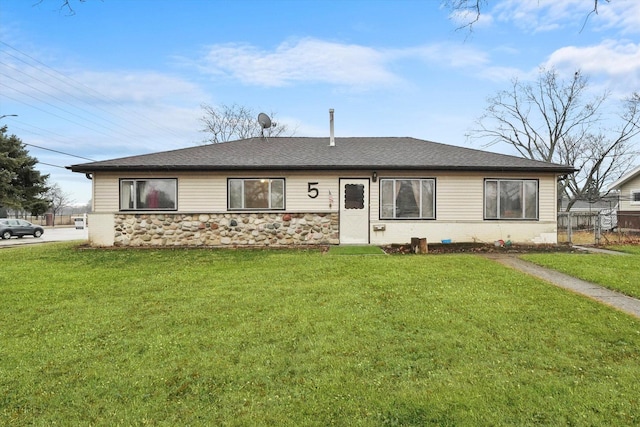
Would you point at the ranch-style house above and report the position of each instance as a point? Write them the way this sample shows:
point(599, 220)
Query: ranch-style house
point(291, 191)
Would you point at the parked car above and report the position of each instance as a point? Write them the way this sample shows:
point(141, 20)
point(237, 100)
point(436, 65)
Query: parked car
point(19, 228)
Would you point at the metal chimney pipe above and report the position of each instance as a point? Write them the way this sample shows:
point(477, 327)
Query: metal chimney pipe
point(332, 139)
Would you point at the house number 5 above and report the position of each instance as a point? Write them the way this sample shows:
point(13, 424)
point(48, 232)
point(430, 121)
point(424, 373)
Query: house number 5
point(312, 191)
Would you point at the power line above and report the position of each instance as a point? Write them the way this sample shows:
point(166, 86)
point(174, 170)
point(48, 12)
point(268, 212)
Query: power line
point(49, 90)
point(52, 114)
point(59, 152)
point(49, 164)
point(57, 99)
point(47, 134)
point(99, 97)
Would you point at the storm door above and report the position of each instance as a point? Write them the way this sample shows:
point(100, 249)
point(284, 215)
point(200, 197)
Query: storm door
point(354, 211)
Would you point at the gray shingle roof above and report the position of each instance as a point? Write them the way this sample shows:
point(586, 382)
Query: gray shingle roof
point(296, 153)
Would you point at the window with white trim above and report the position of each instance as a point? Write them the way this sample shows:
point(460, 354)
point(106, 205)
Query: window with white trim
point(511, 199)
point(255, 193)
point(148, 194)
point(635, 197)
point(407, 198)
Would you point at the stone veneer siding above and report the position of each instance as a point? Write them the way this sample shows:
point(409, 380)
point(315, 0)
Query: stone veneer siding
point(252, 229)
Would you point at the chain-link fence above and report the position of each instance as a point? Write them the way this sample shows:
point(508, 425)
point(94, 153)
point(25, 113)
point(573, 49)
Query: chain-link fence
point(603, 227)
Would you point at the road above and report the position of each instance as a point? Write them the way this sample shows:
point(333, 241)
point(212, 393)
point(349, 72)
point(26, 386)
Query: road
point(51, 234)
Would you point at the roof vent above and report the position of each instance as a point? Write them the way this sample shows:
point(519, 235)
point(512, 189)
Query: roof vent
point(332, 139)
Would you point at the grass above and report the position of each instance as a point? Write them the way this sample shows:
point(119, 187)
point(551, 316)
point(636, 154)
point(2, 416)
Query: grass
point(212, 337)
point(616, 272)
point(355, 250)
point(634, 250)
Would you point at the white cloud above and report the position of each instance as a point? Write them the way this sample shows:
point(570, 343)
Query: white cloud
point(308, 60)
point(317, 61)
point(137, 86)
point(541, 15)
point(463, 18)
point(98, 114)
point(612, 60)
point(623, 15)
point(29, 82)
point(547, 15)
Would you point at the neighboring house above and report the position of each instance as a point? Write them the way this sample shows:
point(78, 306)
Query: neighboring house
point(604, 202)
point(297, 191)
point(628, 188)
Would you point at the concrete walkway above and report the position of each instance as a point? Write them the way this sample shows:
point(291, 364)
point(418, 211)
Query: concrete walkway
point(598, 250)
point(617, 300)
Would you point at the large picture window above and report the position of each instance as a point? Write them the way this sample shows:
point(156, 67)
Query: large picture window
point(407, 198)
point(256, 193)
point(148, 194)
point(510, 199)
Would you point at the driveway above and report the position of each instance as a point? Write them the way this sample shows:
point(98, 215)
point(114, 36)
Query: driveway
point(51, 234)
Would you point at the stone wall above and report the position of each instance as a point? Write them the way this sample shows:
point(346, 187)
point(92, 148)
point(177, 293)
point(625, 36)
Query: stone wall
point(252, 229)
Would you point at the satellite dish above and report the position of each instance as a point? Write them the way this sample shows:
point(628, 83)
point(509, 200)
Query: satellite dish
point(264, 120)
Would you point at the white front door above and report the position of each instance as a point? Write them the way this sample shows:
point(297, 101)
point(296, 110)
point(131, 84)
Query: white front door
point(354, 211)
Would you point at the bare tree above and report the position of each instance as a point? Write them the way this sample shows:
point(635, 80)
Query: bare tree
point(555, 121)
point(58, 199)
point(65, 5)
point(470, 10)
point(226, 122)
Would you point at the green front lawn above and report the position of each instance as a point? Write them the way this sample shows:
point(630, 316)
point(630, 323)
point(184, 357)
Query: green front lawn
point(635, 249)
point(249, 337)
point(617, 272)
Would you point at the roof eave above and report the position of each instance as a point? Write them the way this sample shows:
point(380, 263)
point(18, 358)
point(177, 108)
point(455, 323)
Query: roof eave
point(203, 168)
point(624, 179)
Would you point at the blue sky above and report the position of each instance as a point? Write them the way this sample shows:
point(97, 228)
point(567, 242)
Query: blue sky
point(123, 77)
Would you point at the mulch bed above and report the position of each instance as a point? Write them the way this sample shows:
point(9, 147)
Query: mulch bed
point(456, 248)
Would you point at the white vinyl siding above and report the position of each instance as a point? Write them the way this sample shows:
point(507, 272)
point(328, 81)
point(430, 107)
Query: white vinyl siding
point(459, 197)
point(207, 192)
point(106, 192)
point(547, 198)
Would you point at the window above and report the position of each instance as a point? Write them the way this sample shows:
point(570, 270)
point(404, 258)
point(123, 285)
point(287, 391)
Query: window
point(265, 193)
point(408, 198)
point(148, 194)
point(635, 197)
point(511, 199)
point(354, 196)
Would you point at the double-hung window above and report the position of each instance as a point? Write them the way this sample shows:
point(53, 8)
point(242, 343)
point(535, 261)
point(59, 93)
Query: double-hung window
point(511, 199)
point(635, 197)
point(148, 194)
point(407, 198)
point(255, 193)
